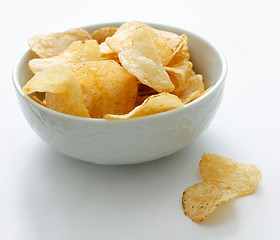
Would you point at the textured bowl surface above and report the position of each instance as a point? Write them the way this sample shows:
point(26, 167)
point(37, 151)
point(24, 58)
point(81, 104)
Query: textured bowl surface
point(135, 140)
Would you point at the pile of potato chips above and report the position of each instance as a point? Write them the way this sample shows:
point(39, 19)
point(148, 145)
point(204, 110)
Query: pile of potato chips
point(113, 73)
point(223, 180)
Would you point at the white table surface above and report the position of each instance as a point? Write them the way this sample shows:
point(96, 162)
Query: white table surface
point(47, 196)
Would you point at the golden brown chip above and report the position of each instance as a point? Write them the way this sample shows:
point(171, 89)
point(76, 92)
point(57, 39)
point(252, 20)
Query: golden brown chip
point(102, 33)
point(49, 80)
point(193, 83)
point(50, 45)
point(189, 98)
point(107, 53)
point(167, 43)
point(169, 36)
point(70, 102)
point(143, 61)
point(152, 105)
point(63, 92)
point(167, 48)
point(188, 85)
point(195, 95)
point(77, 52)
point(179, 45)
point(180, 55)
point(202, 199)
point(107, 87)
point(122, 39)
point(179, 73)
point(243, 178)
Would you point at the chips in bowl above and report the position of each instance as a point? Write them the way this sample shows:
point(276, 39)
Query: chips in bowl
point(147, 125)
point(112, 65)
point(50, 45)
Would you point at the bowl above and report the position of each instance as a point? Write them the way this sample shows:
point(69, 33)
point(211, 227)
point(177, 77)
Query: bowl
point(135, 140)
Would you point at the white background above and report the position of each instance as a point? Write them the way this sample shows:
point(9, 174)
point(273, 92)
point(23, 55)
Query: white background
point(47, 196)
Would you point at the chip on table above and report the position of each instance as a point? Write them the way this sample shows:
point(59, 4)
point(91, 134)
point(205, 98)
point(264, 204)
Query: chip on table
point(223, 180)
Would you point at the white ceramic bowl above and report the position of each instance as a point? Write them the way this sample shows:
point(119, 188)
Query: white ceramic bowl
point(135, 140)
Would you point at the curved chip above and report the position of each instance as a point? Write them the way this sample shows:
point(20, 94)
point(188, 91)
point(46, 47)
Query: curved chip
point(178, 74)
point(101, 34)
point(167, 43)
point(107, 87)
point(77, 52)
point(180, 55)
point(50, 80)
point(50, 45)
point(122, 39)
point(143, 61)
point(195, 95)
point(191, 97)
point(63, 92)
point(192, 85)
point(107, 53)
point(167, 48)
point(201, 200)
point(152, 105)
point(243, 178)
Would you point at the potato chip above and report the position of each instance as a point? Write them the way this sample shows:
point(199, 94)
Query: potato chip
point(243, 178)
point(193, 84)
point(107, 53)
point(167, 48)
point(101, 34)
point(189, 98)
point(180, 55)
point(201, 200)
point(143, 61)
point(49, 80)
point(78, 51)
point(169, 36)
point(50, 45)
point(104, 49)
point(180, 45)
point(107, 87)
point(167, 43)
point(195, 95)
point(122, 39)
point(63, 92)
point(178, 74)
point(152, 105)
point(188, 85)
point(70, 102)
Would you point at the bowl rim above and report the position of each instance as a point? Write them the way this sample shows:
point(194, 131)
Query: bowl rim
point(211, 91)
